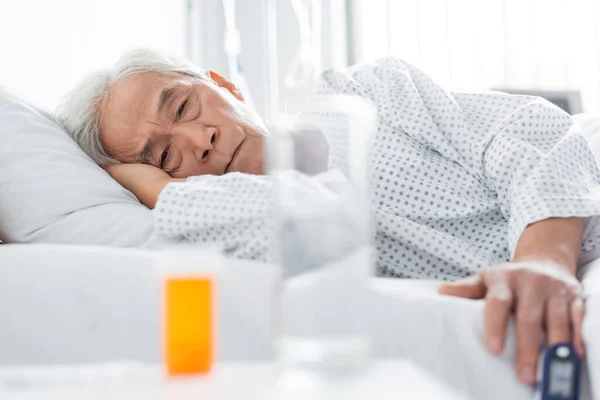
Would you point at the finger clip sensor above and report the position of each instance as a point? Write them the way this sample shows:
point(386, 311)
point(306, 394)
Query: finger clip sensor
point(559, 368)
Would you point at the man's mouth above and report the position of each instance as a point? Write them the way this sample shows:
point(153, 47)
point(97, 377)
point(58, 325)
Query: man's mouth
point(233, 157)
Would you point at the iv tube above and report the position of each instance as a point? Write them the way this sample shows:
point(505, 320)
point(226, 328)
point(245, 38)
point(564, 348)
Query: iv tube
point(233, 48)
point(307, 62)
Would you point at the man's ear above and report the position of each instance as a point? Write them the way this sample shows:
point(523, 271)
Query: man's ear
point(224, 83)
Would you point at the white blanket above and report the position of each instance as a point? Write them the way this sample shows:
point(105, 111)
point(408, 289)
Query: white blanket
point(69, 304)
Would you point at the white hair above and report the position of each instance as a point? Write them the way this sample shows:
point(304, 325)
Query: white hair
point(80, 111)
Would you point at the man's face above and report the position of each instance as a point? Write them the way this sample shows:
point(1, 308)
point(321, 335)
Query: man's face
point(183, 125)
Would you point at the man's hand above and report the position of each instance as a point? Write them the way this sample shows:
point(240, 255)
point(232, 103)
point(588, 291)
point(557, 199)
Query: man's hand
point(541, 296)
point(144, 181)
point(539, 286)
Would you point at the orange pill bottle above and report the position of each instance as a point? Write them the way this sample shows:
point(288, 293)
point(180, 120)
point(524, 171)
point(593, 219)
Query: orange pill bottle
point(189, 311)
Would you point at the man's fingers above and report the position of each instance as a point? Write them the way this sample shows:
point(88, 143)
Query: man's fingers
point(529, 315)
point(577, 315)
point(472, 287)
point(558, 322)
point(498, 306)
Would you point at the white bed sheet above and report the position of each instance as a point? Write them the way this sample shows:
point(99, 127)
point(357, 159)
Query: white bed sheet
point(70, 304)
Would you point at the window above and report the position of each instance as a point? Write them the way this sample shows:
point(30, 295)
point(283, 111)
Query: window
point(478, 45)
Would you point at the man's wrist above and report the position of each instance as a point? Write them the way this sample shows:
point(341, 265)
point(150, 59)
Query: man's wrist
point(155, 188)
point(555, 241)
point(553, 260)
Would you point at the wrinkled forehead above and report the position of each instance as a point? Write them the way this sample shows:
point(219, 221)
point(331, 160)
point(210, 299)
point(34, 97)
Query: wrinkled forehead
point(131, 106)
point(133, 96)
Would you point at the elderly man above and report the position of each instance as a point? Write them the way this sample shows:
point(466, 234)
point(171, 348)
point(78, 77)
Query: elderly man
point(502, 190)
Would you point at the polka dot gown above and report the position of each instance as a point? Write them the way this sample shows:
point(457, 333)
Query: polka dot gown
point(232, 212)
point(455, 177)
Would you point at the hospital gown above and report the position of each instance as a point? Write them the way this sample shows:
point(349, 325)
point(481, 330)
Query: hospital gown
point(455, 178)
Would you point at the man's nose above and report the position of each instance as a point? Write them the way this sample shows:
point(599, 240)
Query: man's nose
point(202, 140)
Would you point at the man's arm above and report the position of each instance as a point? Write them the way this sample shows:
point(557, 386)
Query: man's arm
point(144, 181)
point(232, 212)
point(554, 240)
point(526, 152)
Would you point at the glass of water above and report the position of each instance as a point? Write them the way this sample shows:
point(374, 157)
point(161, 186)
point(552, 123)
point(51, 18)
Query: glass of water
point(323, 238)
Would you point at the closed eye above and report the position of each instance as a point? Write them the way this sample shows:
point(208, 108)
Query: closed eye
point(164, 156)
point(181, 109)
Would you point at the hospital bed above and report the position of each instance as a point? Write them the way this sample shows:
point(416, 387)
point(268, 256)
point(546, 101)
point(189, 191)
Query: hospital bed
point(78, 304)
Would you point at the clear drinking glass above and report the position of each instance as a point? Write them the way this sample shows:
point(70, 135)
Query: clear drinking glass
point(324, 238)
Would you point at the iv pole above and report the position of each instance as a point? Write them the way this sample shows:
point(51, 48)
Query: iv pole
point(272, 59)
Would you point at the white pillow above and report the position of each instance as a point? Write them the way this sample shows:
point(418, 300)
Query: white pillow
point(51, 191)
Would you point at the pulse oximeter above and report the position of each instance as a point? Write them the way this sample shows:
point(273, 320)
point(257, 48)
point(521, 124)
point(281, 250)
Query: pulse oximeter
point(558, 373)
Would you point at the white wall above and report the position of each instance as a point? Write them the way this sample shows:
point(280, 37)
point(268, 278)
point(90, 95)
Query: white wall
point(47, 45)
point(480, 44)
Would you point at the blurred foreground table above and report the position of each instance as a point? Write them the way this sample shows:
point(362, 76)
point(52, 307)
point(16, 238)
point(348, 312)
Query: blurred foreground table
point(228, 381)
